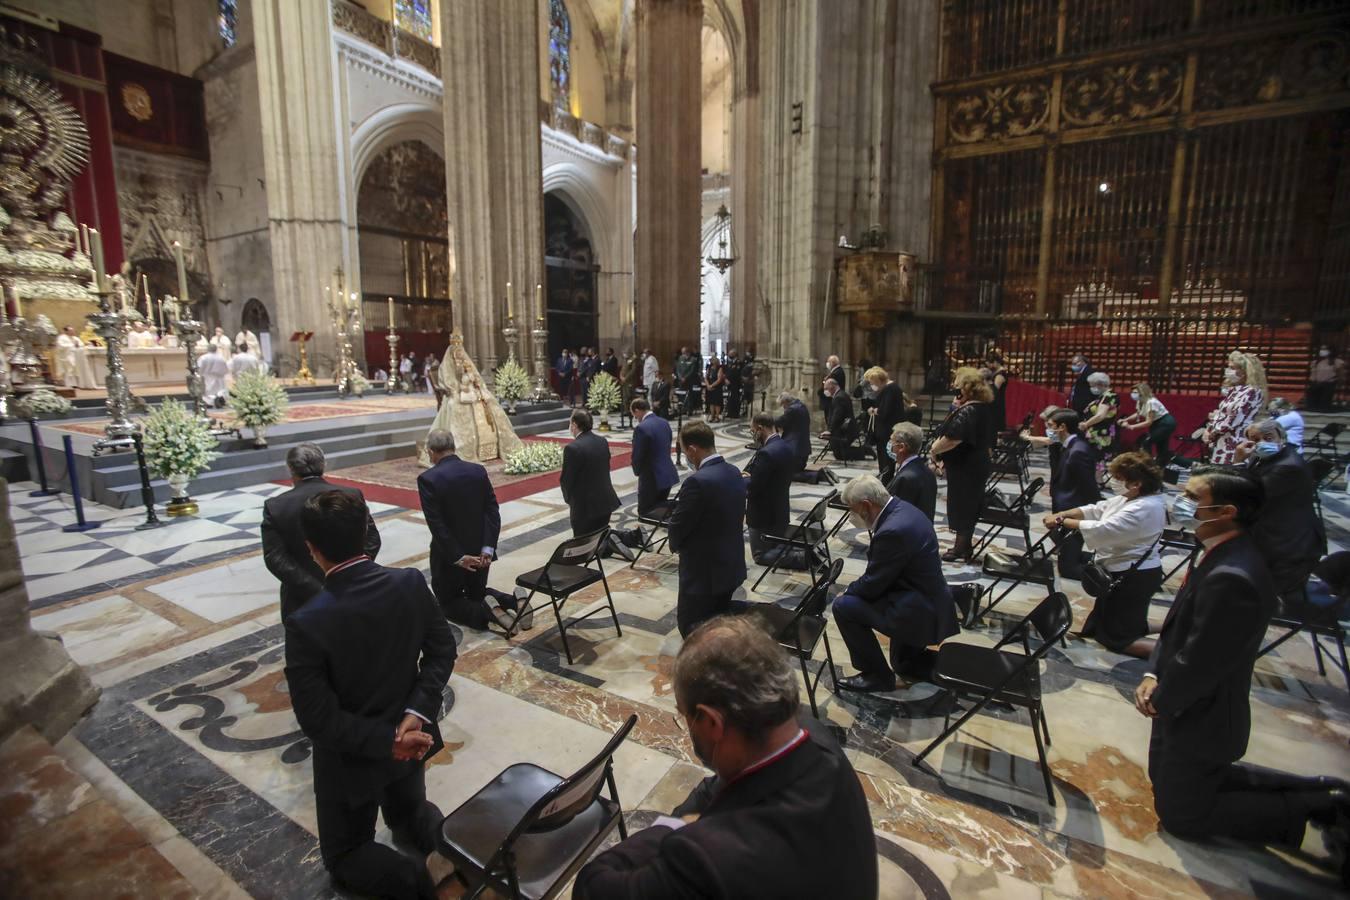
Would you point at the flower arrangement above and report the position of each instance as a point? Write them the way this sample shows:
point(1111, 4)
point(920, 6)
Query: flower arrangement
point(604, 396)
point(176, 443)
point(512, 383)
point(535, 456)
point(258, 400)
point(358, 383)
point(41, 402)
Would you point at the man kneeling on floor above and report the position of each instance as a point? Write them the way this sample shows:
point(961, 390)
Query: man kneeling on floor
point(366, 664)
point(902, 593)
point(784, 815)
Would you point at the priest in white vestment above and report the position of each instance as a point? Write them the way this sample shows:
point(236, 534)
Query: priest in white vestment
point(469, 412)
point(245, 361)
point(213, 369)
point(140, 338)
point(72, 362)
point(221, 341)
point(247, 337)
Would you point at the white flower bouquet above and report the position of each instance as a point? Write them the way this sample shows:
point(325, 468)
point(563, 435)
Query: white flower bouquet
point(512, 382)
point(604, 396)
point(41, 402)
point(176, 443)
point(258, 399)
point(534, 457)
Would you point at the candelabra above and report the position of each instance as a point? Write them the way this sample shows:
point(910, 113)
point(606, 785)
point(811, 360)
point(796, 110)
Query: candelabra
point(346, 321)
point(393, 382)
point(107, 323)
point(512, 335)
point(23, 342)
point(542, 390)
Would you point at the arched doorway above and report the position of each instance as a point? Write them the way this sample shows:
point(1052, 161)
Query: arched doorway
point(571, 268)
point(254, 318)
point(404, 241)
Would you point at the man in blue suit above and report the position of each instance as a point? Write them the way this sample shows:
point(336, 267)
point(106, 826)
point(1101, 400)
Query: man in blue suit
point(1073, 483)
point(651, 457)
point(902, 593)
point(462, 515)
point(767, 503)
point(706, 529)
point(366, 664)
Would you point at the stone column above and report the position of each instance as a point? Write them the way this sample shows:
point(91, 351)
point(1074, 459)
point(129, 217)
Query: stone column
point(490, 62)
point(304, 155)
point(669, 123)
point(746, 130)
point(40, 685)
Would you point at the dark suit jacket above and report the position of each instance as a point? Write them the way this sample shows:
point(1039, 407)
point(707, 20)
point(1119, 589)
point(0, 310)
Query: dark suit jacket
point(799, 827)
point(1074, 480)
point(651, 453)
point(284, 550)
point(767, 505)
point(916, 484)
point(795, 424)
point(707, 529)
point(1080, 395)
point(1288, 530)
point(659, 395)
point(460, 508)
point(840, 422)
point(371, 645)
point(903, 558)
point(585, 481)
point(1207, 648)
point(890, 411)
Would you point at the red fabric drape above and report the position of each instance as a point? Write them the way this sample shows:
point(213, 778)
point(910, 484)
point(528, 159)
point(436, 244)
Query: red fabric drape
point(1189, 410)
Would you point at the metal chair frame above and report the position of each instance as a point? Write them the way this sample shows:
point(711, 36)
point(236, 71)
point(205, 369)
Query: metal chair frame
point(597, 540)
point(649, 542)
point(1014, 515)
point(811, 606)
point(798, 537)
point(1030, 559)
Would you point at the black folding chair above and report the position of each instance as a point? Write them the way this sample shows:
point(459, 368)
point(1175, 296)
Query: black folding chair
point(1324, 471)
point(568, 571)
point(528, 831)
point(799, 630)
point(1000, 512)
point(1036, 566)
point(1174, 537)
point(992, 674)
point(1316, 621)
point(809, 532)
point(855, 440)
point(1323, 443)
point(657, 519)
point(1009, 459)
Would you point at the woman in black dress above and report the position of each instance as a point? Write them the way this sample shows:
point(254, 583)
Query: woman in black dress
point(890, 410)
point(993, 361)
point(962, 447)
point(714, 387)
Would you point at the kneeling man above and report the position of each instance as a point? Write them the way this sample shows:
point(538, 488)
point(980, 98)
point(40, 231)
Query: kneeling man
point(902, 594)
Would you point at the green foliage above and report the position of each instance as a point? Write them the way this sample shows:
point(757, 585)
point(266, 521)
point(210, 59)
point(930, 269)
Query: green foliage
point(535, 456)
point(258, 399)
point(512, 381)
point(604, 394)
point(41, 402)
point(176, 443)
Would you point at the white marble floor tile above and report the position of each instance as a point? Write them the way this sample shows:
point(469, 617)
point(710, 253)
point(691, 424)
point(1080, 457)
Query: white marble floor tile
point(401, 539)
point(57, 561)
point(222, 592)
point(31, 545)
point(177, 533)
point(92, 577)
point(104, 629)
point(149, 663)
point(196, 551)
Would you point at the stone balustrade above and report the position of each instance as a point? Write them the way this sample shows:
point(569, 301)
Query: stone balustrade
point(384, 34)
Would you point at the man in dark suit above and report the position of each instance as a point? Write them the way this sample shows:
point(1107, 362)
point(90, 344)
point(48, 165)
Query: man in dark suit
point(611, 364)
point(833, 372)
point(284, 551)
point(659, 396)
point(1080, 395)
point(1288, 531)
point(462, 515)
point(1199, 677)
point(914, 482)
point(585, 481)
point(795, 427)
point(706, 530)
point(1073, 484)
point(784, 814)
point(651, 457)
point(902, 593)
point(735, 381)
point(768, 508)
point(841, 428)
point(366, 665)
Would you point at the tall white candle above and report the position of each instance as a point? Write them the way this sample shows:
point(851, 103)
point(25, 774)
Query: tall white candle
point(508, 299)
point(182, 273)
point(96, 244)
point(539, 299)
point(391, 314)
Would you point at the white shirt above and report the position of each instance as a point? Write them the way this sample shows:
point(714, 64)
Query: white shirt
point(1292, 423)
point(1120, 531)
point(244, 362)
point(1156, 406)
point(649, 367)
point(212, 367)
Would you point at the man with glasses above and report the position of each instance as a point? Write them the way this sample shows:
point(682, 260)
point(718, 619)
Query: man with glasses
point(914, 482)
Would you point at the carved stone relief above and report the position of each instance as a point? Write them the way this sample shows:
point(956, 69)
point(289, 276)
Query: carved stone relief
point(1125, 92)
point(1000, 111)
point(1283, 68)
point(404, 190)
point(160, 199)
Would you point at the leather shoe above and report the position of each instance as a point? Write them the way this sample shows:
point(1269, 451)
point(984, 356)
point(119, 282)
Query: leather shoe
point(503, 618)
point(868, 684)
point(527, 617)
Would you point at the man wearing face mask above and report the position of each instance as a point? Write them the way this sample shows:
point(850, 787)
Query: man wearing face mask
point(902, 593)
point(914, 482)
point(841, 426)
point(1199, 678)
point(784, 814)
point(768, 509)
point(706, 529)
point(1288, 531)
point(1080, 395)
point(1073, 484)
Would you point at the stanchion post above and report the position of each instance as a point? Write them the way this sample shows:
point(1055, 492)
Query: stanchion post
point(147, 494)
point(80, 523)
point(679, 426)
point(41, 463)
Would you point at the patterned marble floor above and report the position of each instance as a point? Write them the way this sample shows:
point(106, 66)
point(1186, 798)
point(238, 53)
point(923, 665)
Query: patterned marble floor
point(194, 741)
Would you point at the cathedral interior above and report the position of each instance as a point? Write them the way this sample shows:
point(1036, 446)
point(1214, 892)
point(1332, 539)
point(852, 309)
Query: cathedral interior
point(384, 208)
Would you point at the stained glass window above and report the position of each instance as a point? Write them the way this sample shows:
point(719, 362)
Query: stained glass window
point(560, 52)
point(414, 16)
point(227, 14)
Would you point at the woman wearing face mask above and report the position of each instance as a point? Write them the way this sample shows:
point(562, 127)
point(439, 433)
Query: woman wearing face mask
point(1237, 410)
point(1151, 414)
point(1288, 531)
point(1099, 422)
point(962, 448)
point(1123, 531)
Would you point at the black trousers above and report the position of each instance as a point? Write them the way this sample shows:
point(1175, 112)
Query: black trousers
point(460, 592)
point(1199, 798)
point(347, 837)
point(649, 497)
point(1071, 556)
point(764, 553)
point(1121, 617)
point(588, 524)
point(693, 608)
point(1159, 438)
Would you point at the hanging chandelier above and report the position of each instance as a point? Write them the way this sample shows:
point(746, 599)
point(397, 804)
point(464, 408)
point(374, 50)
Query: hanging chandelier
point(726, 250)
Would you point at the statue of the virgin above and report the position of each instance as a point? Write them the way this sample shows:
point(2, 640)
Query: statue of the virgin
point(469, 412)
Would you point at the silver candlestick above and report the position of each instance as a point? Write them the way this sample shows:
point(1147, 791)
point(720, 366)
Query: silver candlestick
point(189, 331)
point(512, 335)
point(107, 323)
point(392, 383)
point(542, 389)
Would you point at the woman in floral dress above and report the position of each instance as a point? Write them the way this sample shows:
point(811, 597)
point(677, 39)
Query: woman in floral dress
point(1099, 426)
point(1238, 409)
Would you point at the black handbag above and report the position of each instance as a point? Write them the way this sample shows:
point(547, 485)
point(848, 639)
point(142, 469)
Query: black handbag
point(1099, 582)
